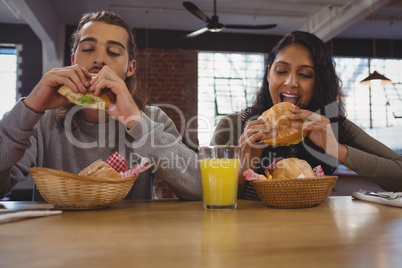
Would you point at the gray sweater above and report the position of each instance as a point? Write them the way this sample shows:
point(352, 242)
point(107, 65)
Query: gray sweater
point(29, 139)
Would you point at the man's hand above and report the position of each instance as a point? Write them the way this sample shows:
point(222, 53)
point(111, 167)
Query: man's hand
point(124, 109)
point(45, 96)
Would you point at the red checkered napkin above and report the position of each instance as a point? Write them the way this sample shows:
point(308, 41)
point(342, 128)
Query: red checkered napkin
point(318, 172)
point(250, 175)
point(118, 162)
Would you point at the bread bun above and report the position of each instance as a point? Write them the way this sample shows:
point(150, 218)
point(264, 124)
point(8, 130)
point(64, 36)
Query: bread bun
point(292, 168)
point(88, 99)
point(99, 168)
point(286, 134)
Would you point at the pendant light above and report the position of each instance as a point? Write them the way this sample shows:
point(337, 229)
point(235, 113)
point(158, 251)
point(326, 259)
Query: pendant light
point(375, 78)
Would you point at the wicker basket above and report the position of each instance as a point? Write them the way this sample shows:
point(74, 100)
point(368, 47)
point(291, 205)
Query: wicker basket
point(74, 192)
point(294, 193)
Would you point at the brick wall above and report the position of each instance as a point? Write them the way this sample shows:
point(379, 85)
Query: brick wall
point(170, 76)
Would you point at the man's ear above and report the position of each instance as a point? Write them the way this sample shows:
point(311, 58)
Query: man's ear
point(131, 68)
point(72, 59)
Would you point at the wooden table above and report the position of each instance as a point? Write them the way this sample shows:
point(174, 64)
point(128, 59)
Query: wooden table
point(340, 232)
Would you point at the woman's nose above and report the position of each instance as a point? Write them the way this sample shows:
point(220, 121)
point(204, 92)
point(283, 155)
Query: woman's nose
point(291, 80)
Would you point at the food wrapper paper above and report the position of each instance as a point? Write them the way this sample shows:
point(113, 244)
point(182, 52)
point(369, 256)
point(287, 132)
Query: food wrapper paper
point(120, 165)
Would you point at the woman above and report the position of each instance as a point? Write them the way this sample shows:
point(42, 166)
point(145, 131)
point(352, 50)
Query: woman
point(300, 70)
point(41, 131)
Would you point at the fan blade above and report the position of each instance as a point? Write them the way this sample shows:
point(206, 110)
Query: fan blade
point(198, 32)
point(196, 11)
point(250, 27)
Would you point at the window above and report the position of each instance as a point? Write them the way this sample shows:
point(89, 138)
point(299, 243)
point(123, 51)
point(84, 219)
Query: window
point(384, 122)
point(8, 78)
point(227, 83)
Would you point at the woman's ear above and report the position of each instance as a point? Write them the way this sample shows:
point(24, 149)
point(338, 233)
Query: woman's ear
point(131, 68)
point(268, 69)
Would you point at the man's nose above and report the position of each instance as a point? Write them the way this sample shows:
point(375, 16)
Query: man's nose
point(99, 59)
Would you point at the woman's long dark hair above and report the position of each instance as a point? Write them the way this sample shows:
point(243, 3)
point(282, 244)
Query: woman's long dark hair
point(327, 83)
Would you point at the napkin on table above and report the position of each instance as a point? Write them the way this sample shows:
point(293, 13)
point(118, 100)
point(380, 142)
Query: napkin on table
point(8, 216)
point(385, 198)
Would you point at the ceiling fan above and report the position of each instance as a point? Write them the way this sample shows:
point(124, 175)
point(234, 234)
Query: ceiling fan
point(213, 24)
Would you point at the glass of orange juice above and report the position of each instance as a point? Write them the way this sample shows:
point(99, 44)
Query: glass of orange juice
point(219, 170)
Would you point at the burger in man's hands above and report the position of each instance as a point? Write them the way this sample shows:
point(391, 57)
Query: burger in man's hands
point(89, 99)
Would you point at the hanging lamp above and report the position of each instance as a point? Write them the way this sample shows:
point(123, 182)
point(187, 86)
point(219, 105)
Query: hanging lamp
point(375, 78)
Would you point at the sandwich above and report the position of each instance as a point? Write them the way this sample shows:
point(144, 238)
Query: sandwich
point(100, 168)
point(292, 168)
point(286, 134)
point(89, 99)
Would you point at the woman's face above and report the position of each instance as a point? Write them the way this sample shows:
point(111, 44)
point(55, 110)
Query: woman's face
point(291, 77)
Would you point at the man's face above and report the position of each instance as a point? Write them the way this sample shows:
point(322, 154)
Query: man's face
point(103, 44)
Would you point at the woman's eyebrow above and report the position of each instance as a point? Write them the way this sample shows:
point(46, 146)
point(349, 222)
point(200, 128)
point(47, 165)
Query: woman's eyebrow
point(287, 63)
point(308, 66)
point(281, 62)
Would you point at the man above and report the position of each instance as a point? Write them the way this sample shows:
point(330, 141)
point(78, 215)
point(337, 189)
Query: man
point(43, 130)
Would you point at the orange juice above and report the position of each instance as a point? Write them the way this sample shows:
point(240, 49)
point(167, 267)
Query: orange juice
point(219, 182)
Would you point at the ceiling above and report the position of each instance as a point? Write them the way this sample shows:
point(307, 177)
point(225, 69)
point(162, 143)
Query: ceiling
point(326, 18)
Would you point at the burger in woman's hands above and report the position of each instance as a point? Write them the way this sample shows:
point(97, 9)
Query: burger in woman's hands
point(286, 134)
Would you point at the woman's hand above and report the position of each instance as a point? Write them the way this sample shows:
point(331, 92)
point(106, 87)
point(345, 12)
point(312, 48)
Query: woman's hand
point(320, 132)
point(45, 96)
point(124, 109)
point(251, 147)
